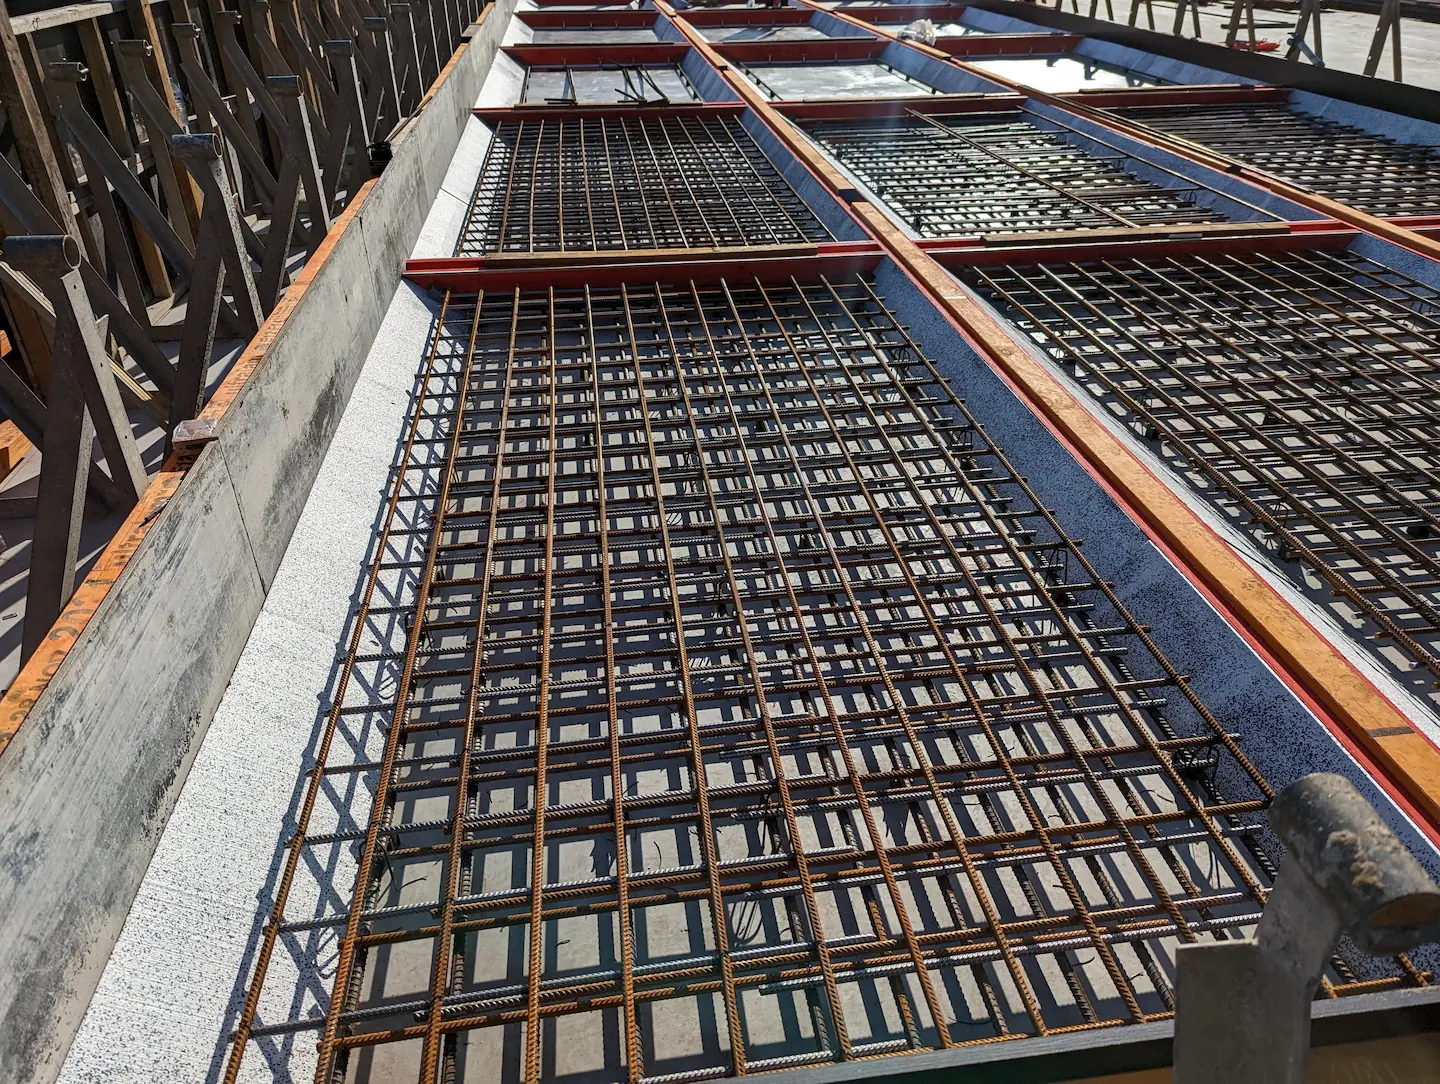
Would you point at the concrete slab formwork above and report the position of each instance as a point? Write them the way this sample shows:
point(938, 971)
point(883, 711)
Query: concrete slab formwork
point(745, 620)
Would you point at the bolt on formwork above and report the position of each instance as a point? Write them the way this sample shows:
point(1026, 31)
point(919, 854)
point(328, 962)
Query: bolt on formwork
point(631, 182)
point(1296, 389)
point(1017, 177)
point(742, 709)
point(1348, 164)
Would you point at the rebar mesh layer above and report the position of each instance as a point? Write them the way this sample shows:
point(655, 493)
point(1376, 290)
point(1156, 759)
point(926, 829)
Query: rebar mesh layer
point(735, 707)
point(1355, 167)
point(1298, 390)
point(954, 176)
point(631, 183)
point(654, 84)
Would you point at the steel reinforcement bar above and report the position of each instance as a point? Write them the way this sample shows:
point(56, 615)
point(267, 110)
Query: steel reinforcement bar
point(1365, 171)
point(1017, 177)
point(1297, 389)
point(630, 182)
point(729, 703)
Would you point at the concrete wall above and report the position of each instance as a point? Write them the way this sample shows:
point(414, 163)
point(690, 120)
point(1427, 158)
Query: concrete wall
point(91, 777)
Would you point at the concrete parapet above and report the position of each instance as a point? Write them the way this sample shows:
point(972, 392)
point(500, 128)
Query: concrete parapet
point(94, 768)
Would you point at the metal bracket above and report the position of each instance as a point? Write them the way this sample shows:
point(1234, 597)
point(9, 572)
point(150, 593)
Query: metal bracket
point(1242, 1008)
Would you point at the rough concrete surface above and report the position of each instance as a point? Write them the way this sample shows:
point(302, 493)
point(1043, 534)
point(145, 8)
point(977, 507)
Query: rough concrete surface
point(168, 998)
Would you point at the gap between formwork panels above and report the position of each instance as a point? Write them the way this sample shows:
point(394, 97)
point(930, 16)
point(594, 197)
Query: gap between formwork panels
point(738, 708)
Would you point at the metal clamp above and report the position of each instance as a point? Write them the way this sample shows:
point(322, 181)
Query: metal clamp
point(1242, 1008)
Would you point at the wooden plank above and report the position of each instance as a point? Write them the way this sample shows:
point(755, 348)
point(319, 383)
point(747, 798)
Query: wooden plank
point(67, 14)
point(233, 129)
point(35, 65)
point(355, 132)
point(201, 155)
point(142, 25)
point(64, 80)
point(92, 142)
point(14, 446)
point(102, 81)
point(130, 55)
point(112, 112)
point(27, 127)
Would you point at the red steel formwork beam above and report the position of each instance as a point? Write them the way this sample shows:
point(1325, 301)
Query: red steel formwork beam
point(587, 20)
point(786, 16)
point(590, 56)
point(971, 45)
point(767, 265)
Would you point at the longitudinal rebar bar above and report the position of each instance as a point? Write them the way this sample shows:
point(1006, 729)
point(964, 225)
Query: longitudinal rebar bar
point(1366, 171)
point(1298, 390)
point(631, 183)
point(955, 175)
point(653, 84)
point(729, 703)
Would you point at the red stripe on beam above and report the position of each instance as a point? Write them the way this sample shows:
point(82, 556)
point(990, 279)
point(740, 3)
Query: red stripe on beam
point(1159, 96)
point(972, 45)
point(591, 56)
point(749, 17)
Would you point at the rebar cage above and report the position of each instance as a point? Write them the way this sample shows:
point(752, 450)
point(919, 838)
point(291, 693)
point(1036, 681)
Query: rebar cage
point(697, 181)
point(729, 703)
point(1298, 390)
point(948, 176)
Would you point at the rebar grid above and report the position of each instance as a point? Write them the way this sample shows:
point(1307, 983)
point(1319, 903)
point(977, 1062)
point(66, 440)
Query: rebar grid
point(845, 750)
point(1298, 390)
point(1016, 177)
point(1365, 171)
point(633, 83)
point(631, 183)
